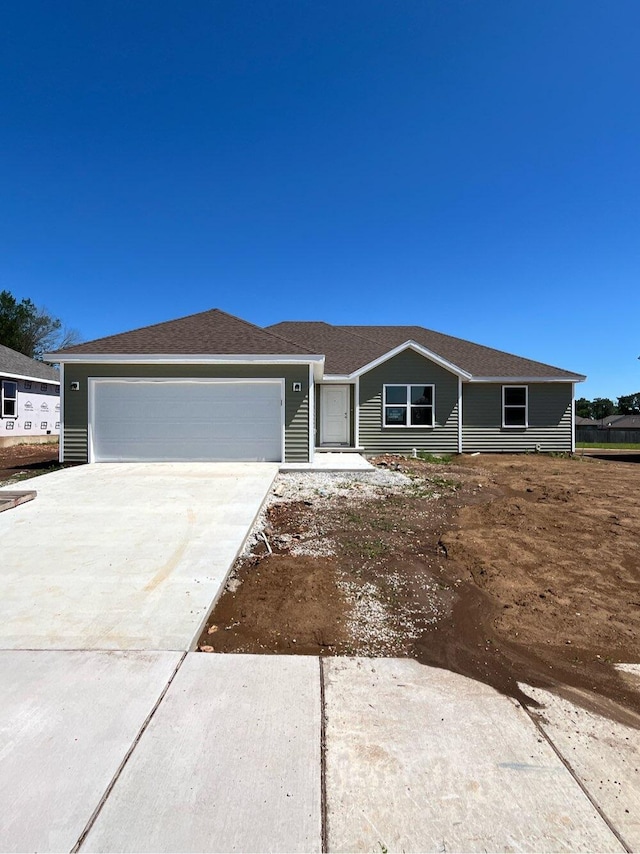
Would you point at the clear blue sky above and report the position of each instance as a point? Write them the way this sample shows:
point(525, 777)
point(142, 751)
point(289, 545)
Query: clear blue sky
point(473, 167)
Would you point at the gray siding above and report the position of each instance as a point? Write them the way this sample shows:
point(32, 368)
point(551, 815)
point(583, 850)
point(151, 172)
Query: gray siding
point(409, 367)
point(296, 403)
point(549, 419)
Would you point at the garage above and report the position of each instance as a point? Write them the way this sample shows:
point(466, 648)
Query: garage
point(185, 420)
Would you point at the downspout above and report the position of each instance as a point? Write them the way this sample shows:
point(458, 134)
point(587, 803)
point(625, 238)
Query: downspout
point(459, 415)
point(61, 434)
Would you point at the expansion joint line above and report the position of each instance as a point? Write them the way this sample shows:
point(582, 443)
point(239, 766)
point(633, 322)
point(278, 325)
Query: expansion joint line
point(578, 781)
point(323, 762)
point(127, 756)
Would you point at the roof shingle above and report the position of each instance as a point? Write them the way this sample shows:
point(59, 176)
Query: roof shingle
point(12, 362)
point(210, 332)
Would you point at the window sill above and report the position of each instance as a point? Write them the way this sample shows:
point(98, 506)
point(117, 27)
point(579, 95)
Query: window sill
point(409, 426)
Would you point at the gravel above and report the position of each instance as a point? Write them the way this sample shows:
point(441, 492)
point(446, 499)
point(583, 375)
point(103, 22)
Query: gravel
point(311, 486)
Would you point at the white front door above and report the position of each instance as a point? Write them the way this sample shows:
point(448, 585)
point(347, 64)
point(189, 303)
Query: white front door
point(334, 415)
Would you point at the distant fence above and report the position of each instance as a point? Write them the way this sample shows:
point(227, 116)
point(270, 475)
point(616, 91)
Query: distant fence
point(607, 434)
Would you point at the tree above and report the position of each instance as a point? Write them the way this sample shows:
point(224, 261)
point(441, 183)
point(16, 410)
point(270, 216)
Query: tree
point(602, 407)
point(31, 330)
point(629, 404)
point(584, 408)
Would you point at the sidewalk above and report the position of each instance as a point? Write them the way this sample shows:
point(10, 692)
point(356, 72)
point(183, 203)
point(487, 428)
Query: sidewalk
point(200, 752)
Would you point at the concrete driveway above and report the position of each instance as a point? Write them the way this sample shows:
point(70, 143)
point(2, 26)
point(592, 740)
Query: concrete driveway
point(124, 556)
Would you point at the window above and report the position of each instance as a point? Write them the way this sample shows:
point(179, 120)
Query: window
point(515, 406)
point(409, 405)
point(9, 399)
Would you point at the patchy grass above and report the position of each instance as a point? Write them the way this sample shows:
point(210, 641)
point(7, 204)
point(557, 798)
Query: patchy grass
point(617, 446)
point(440, 459)
point(28, 474)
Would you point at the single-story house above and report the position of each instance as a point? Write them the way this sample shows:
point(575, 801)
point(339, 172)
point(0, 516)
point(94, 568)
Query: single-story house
point(214, 387)
point(29, 400)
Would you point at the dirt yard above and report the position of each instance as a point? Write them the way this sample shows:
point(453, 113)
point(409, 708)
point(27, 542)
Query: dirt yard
point(20, 462)
point(506, 569)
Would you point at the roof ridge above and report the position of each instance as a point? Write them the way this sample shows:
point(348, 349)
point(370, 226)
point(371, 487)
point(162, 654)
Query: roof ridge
point(198, 314)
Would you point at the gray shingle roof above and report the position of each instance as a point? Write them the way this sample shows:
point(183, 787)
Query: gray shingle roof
point(211, 332)
point(12, 362)
point(344, 352)
point(348, 348)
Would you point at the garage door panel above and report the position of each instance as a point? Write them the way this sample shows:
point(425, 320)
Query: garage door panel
point(184, 420)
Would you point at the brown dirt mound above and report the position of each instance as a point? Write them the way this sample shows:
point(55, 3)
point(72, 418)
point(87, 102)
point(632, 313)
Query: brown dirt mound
point(524, 569)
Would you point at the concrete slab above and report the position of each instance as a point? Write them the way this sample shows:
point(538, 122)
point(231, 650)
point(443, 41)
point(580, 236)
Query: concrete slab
point(229, 762)
point(67, 720)
point(124, 556)
point(603, 754)
point(420, 759)
point(331, 461)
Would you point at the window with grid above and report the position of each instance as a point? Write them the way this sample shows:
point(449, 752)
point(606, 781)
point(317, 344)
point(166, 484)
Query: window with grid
point(9, 399)
point(515, 405)
point(409, 405)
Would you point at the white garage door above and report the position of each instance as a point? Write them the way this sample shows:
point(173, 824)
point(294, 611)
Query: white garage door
point(182, 420)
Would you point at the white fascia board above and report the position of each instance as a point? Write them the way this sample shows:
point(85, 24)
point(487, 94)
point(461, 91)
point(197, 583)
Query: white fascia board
point(5, 375)
point(337, 378)
point(418, 348)
point(516, 380)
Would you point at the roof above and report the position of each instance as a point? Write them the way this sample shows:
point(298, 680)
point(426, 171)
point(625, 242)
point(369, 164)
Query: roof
point(210, 332)
point(343, 351)
point(15, 364)
point(622, 422)
point(348, 348)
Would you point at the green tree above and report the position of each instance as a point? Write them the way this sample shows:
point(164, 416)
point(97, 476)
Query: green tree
point(31, 330)
point(584, 408)
point(629, 404)
point(602, 407)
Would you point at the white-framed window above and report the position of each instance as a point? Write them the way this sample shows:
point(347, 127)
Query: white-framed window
point(515, 406)
point(9, 401)
point(408, 405)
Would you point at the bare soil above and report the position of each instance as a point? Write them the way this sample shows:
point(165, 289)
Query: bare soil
point(20, 462)
point(507, 569)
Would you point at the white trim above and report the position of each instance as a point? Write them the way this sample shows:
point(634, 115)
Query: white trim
point(312, 415)
point(61, 434)
point(9, 376)
point(459, 415)
point(518, 406)
point(408, 406)
point(418, 348)
point(93, 381)
point(523, 380)
point(356, 407)
point(573, 418)
point(347, 388)
point(182, 359)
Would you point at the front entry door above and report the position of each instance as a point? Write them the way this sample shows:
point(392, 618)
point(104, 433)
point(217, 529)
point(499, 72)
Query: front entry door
point(334, 415)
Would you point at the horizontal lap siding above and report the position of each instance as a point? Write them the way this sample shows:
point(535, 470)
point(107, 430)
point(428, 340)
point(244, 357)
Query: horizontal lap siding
point(409, 368)
point(296, 403)
point(549, 419)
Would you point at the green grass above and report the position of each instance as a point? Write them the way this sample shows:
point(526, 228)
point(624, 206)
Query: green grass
point(618, 446)
point(443, 459)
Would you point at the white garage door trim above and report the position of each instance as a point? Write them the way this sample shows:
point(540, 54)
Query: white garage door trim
point(94, 382)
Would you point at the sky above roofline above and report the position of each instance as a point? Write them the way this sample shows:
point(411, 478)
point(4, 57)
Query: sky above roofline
point(470, 168)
